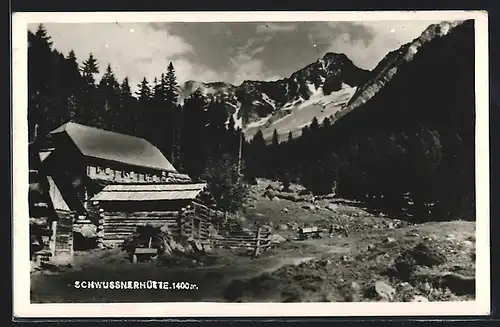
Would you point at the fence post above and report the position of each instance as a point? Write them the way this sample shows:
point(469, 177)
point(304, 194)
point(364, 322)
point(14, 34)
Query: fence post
point(257, 243)
point(100, 228)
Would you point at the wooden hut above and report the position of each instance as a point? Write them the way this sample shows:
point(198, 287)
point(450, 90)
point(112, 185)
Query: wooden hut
point(124, 207)
point(114, 181)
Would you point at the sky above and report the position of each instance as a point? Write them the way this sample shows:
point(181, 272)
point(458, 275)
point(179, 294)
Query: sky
point(228, 51)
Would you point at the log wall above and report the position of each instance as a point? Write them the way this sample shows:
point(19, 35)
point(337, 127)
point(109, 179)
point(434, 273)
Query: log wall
point(117, 226)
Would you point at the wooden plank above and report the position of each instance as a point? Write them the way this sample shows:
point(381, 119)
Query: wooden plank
point(142, 214)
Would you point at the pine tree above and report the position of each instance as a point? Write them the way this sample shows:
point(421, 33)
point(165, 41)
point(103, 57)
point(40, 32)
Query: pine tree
point(143, 110)
point(109, 92)
point(40, 71)
point(275, 140)
point(194, 149)
point(171, 89)
point(73, 82)
point(127, 114)
point(89, 97)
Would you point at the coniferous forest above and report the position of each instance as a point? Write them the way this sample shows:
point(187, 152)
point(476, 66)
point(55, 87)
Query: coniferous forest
point(410, 149)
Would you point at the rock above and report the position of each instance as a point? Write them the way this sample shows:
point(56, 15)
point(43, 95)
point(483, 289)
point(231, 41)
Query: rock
point(468, 244)
point(275, 198)
point(345, 258)
point(285, 210)
point(390, 225)
point(389, 240)
point(419, 298)
point(273, 187)
point(276, 238)
point(426, 287)
point(311, 207)
point(293, 226)
point(384, 290)
point(207, 248)
point(167, 248)
point(197, 245)
point(87, 230)
point(282, 227)
point(355, 287)
point(166, 230)
point(324, 262)
point(404, 285)
point(178, 248)
point(332, 207)
point(459, 284)
point(371, 247)
point(247, 231)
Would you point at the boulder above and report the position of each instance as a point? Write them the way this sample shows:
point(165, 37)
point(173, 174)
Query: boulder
point(332, 207)
point(166, 230)
point(282, 227)
point(276, 238)
point(87, 230)
point(384, 290)
point(309, 206)
point(459, 284)
point(419, 298)
point(355, 287)
point(389, 240)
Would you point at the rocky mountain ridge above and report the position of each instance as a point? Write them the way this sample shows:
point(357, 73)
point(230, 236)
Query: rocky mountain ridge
point(258, 104)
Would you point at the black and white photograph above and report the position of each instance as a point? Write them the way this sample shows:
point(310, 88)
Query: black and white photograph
point(240, 163)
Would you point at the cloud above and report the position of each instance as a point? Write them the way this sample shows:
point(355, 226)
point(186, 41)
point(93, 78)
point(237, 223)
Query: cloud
point(276, 27)
point(366, 43)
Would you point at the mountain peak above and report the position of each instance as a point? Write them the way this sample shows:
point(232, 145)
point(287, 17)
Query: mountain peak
point(335, 55)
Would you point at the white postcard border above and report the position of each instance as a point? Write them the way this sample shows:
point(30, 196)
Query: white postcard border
point(21, 265)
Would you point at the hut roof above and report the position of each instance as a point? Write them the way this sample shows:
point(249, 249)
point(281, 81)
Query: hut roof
point(149, 192)
point(98, 143)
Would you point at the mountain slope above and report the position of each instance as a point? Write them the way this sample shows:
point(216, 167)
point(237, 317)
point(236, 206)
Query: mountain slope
point(318, 90)
point(412, 127)
point(396, 60)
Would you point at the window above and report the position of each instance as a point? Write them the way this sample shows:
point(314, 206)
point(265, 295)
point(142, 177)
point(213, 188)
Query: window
point(132, 174)
point(108, 171)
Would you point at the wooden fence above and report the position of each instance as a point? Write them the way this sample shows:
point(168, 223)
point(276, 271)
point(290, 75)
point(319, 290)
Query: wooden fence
point(228, 233)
